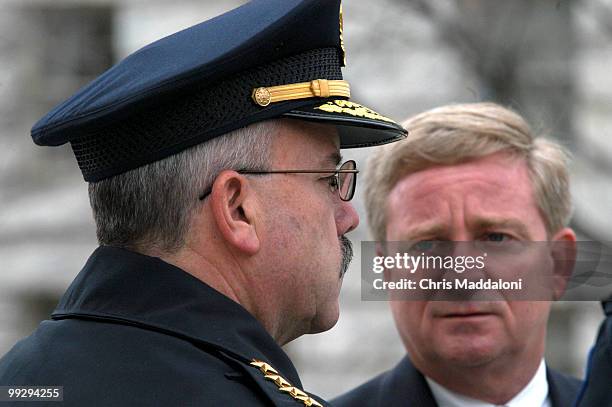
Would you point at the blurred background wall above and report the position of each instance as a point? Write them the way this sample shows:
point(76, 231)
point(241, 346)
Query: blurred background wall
point(549, 60)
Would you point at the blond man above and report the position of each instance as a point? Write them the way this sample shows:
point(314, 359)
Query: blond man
point(471, 172)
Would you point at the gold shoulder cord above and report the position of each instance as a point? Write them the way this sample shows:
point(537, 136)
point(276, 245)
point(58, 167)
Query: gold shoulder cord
point(283, 385)
point(323, 88)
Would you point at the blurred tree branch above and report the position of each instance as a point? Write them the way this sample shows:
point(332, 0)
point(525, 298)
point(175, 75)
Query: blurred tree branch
point(488, 46)
point(495, 40)
point(601, 11)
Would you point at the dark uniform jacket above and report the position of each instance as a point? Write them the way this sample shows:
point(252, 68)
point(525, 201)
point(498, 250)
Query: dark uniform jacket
point(597, 391)
point(133, 330)
point(405, 386)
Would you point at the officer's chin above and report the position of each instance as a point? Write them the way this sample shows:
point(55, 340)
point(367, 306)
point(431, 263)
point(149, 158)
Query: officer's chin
point(326, 320)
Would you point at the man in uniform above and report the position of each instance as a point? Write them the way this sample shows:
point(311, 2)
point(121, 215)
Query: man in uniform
point(221, 208)
point(473, 173)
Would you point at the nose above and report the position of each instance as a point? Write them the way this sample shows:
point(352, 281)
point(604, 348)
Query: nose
point(347, 218)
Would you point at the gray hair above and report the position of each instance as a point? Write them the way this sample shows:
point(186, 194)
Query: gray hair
point(454, 134)
point(150, 208)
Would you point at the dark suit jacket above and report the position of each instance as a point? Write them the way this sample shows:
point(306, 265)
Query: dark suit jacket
point(405, 386)
point(133, 330)
point(597, 390)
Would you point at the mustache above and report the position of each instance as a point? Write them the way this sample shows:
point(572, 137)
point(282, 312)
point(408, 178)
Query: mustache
point(347, 254)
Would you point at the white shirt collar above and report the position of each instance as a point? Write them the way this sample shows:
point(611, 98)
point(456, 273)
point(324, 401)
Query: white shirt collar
point(535, 394)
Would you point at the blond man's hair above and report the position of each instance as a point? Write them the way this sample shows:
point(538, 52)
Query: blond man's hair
point(459, 133)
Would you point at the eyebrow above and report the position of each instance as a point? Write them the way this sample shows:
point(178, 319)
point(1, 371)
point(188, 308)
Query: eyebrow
point(478, 223)
point(421, 230)
point(334, 159)
point(514, 224)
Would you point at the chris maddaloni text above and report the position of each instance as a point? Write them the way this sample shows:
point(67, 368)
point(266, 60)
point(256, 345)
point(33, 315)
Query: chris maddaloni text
point(444, 284)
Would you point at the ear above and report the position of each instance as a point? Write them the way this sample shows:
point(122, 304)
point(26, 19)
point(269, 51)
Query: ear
point(563, 251)
point(233, 208)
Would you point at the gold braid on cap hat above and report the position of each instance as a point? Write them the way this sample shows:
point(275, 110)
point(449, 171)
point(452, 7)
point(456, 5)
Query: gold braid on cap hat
point(318, 88)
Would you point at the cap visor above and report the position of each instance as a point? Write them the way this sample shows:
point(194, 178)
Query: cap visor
point(358, 126)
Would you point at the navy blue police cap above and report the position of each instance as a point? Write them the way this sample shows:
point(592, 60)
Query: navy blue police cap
point(263, 60)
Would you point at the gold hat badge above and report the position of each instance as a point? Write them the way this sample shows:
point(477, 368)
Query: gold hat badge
point(283, 385)
point(342, 37)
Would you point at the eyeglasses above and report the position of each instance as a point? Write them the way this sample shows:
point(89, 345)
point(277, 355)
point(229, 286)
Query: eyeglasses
point(343, 180)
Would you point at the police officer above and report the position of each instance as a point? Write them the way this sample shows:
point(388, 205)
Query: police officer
point(221, 206)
